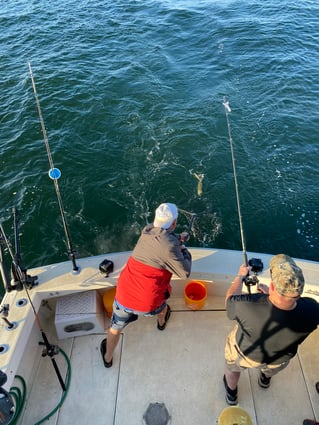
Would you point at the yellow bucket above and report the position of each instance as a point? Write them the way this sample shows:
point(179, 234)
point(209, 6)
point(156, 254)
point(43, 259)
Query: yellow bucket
point(195, 294)
point(108, 298)
point(234, 415)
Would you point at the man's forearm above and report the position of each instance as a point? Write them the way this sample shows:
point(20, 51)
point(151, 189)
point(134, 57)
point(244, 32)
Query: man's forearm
point(236, 286)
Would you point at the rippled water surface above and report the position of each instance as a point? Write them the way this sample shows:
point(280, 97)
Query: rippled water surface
point(131, 94)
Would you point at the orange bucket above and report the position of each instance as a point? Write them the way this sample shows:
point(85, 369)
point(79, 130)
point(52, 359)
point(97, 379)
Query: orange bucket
point(195, 294)
point(108, 298)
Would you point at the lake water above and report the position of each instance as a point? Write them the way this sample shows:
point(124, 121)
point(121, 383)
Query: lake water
point(131, 94)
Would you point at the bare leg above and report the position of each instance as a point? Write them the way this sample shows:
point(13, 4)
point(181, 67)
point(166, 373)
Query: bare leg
point(113, 337)
point(232, 378)
point(161, 316)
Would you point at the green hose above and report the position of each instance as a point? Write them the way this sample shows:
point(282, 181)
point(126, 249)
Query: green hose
point(67, 384)
point(19, 395)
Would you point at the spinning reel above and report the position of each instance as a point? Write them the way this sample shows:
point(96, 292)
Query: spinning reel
point(256, 267)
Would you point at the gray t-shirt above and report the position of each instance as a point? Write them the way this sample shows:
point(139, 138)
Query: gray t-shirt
point(267, 334)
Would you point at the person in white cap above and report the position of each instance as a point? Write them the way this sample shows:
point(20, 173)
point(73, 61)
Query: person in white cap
point(144, 284)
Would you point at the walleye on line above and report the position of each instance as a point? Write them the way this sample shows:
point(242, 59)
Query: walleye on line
point(200, 178)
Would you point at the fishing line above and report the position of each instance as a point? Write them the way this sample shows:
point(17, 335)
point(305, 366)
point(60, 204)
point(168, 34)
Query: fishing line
point(54, 174)
point(191, 217)
point(204, 226)
point(191, 223)
point(227, 111)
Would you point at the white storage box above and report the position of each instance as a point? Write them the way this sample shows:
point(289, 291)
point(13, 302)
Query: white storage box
point(79, 314)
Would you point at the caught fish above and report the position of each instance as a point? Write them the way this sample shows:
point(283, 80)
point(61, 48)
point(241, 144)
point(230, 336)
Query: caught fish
point(200, 178)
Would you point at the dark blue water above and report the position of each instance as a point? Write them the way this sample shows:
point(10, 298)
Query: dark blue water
point(131, 94)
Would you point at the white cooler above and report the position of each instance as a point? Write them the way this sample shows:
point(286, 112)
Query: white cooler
point(79, 314)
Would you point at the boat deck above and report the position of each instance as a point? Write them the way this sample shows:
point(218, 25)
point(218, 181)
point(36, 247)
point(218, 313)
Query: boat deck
point(178, 372)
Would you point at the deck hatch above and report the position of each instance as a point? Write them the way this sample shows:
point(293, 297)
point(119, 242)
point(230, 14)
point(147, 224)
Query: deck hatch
point(156, 414)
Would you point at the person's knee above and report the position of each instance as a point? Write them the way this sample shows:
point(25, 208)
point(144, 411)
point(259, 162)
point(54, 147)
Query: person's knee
point(114, 332)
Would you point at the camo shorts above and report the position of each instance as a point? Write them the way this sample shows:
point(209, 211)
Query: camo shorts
point(122, 316)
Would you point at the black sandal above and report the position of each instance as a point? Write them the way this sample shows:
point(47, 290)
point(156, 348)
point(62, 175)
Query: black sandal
point(103, 351)
point(167, 316)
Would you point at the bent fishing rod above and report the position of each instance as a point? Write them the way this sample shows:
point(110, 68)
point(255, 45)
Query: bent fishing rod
point(193, 216)
point(55, 174)
point(191, 222)
point(255, 263)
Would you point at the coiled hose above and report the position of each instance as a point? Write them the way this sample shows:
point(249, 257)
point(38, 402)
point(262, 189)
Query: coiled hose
point(19, 395)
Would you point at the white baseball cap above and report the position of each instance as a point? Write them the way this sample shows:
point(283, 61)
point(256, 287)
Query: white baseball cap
point(165, 214)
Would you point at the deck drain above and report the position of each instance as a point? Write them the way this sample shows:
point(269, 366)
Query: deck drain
point(12, 326)
point(156, 414)
point(21, 302)
point(4, 348)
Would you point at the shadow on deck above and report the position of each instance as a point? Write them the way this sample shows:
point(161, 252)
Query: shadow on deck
point(181, 367)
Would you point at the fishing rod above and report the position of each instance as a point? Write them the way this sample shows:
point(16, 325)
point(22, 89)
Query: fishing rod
point(227, 111)
point(193, 216)
point(185, 236)
point(55, 174)
point(3, 268)
point(19, 275)
point(24, 281)
point(255, 263)
point(191, 222)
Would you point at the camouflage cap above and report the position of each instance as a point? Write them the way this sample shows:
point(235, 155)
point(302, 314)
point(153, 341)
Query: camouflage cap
point(286, 276)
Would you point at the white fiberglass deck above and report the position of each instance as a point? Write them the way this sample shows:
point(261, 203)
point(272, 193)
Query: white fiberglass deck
point(181, 367)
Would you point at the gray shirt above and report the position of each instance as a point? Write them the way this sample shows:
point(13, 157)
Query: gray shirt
point(162, 249)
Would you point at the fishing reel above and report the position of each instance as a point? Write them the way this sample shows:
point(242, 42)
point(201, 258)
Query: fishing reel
point(106, 267)
point(256, 267)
